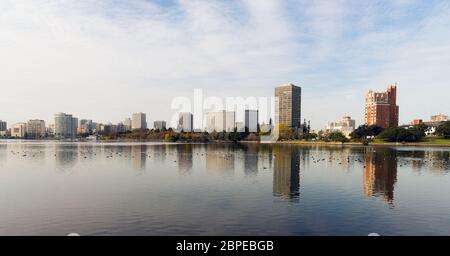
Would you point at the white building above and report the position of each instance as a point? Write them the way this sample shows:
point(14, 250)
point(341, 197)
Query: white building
point(127, 124)
point(36, 129)
point(19, 130)
point(240, 127)
point(185, 122)
point(346, 126)
point(439, 118)
point(221, 121)
point(251, 120)
point(65, 126)
point(138, 121)
point(159, 125)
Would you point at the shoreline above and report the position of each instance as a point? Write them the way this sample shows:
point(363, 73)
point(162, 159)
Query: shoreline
point(293, 142)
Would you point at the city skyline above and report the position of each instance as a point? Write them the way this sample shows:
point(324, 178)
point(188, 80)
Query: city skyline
point(128, 57)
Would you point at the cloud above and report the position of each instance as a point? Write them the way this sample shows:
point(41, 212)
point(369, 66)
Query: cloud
point(105, 59)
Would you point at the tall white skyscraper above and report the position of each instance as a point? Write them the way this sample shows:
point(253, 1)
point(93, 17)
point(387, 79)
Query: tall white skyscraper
point(138, 121)
point(185, 122)
point(65, 126)
point(251, 120)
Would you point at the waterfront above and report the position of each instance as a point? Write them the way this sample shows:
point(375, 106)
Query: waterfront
point(56, 188)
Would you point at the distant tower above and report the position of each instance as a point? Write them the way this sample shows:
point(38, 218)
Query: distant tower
point(381, 108)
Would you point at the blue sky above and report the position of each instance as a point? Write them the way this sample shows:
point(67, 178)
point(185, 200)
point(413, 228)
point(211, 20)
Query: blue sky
point(105, 59)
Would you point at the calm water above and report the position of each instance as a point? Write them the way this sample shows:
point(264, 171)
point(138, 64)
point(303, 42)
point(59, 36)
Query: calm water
point(50, 188)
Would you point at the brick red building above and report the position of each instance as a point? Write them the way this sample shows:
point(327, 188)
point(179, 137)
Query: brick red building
point(381, 108)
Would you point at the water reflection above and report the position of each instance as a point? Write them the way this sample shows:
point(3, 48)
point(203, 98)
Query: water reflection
point(286, 172)
point(139, 156)
point(185, 158)
point(380, 173)
point(66, 156)
point(220, 160)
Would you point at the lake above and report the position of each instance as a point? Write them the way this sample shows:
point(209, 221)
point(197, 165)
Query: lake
point(57, 188)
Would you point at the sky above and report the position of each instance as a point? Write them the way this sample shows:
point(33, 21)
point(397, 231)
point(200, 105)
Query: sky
point(105, 59)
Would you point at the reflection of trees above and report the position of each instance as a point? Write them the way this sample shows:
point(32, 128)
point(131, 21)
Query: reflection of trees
point(184, 158)
point(380, 173)
point(286, 172)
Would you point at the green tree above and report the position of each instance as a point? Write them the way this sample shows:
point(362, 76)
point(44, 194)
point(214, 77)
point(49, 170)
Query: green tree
point(400, 134)
point(337, 136)
point(444, 130)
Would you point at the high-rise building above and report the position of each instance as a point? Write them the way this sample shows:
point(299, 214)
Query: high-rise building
point(3, 126)
point(381, 108)
point(230, 121)
point(439, 118)
point(159, 125)
point(19, 130)
point(185, 122)
point(288, 98)
point(85, 126)
point(138, 121)
point(221, 121)
point(65, 126)
point(251, 120)
point(35, 129)
point(127, 124)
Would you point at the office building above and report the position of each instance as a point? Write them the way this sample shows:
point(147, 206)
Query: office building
point(138, 121)
point(159, 125)
point(288, 105)
point(19, 130)
point(185, 122)
point(85, 126)
point(35, 129)
point(127, 124)
point(240, 126)
point(3, 128)
point(417, 122)
point(346, 126)
point(439, 118)
point(251, 120)
point(221, 121)
point(381, 108)
point(65, 126)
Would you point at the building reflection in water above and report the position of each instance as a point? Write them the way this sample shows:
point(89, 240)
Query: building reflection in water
point(380, 173)
point(286, 172)
point(184, 158)
point(66, 155)
point(220, 159)
point(251, 159)
point(139, 156)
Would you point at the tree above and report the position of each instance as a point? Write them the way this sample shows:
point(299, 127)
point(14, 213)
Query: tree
point(400, 134)
point(364, 131)
point(286, 132)
point(444, 130)
point(337, 136)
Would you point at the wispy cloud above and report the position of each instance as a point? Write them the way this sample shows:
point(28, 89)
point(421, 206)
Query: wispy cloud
point(105, 59)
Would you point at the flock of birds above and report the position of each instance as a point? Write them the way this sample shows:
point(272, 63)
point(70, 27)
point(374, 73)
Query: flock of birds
point(440, 161)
